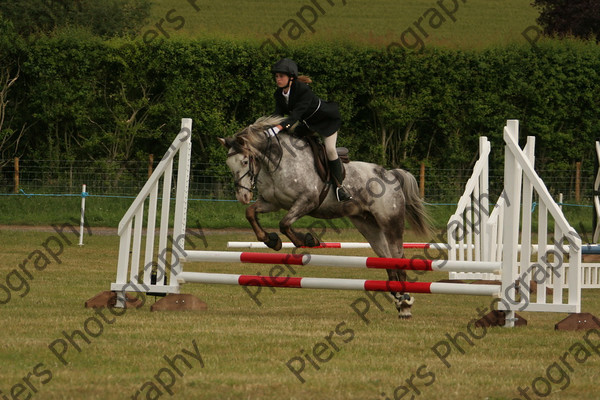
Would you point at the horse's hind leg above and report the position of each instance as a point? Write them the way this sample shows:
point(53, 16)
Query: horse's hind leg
point(402, 300)
point(260, 206)
point(369, 229)
point(384, 247)
point(385, 236)
point(392, 227)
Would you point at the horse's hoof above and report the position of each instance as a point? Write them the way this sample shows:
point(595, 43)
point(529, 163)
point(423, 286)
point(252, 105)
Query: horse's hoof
point(311, 241)
point(404, 311)
point(404, 304)
point(273, 242)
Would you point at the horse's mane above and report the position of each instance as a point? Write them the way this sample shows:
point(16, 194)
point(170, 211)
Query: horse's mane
point(254, 139)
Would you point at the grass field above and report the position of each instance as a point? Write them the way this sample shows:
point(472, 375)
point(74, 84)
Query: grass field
point(467, 24)
point(239, 350)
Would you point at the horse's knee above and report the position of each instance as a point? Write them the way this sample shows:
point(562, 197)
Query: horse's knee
point(251, 212)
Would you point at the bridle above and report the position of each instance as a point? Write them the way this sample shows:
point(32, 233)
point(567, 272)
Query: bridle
point(252, 172)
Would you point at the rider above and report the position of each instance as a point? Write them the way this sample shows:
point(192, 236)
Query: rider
point(295, 98)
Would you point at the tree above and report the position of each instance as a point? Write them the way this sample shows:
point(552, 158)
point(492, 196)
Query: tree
point(579, 18)
point(10, 135)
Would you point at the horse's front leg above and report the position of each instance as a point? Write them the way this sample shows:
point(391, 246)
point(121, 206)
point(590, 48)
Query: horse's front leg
point(299, 209)
point(261, 206)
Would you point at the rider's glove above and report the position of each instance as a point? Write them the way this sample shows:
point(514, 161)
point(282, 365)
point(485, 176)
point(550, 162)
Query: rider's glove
point(272, 131)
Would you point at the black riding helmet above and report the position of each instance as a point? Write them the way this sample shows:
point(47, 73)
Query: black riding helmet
point(286, 66)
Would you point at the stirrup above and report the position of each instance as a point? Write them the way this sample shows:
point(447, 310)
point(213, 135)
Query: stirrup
point(341, 194)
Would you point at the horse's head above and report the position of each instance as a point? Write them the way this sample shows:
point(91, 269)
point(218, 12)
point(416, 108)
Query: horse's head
point(242, 165)
point(244, 151)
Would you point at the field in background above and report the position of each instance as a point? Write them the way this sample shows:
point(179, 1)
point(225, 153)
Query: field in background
point(478, 23)
point(245, 347)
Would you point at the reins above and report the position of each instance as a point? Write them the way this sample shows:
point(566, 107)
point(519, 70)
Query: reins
point(267, 154)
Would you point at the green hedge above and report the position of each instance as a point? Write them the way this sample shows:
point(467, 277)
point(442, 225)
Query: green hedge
point(85, 98)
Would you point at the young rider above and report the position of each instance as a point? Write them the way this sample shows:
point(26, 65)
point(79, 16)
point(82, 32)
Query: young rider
point(303, 108)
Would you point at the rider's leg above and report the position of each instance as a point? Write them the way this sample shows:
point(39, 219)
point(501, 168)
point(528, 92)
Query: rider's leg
point(330, 146)
point(335, 165)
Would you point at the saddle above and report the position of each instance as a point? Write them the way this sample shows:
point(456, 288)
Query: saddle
point(320, 156)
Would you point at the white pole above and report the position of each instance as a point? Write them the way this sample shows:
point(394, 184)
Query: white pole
point(83, 196)
point(560, 200)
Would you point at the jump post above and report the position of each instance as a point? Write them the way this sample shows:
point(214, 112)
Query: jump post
point(162, 271)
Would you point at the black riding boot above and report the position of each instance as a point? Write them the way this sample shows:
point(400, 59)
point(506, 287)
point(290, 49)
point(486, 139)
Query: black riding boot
point(337, 176)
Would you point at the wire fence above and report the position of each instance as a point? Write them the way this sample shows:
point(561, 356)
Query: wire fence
point(209, 181)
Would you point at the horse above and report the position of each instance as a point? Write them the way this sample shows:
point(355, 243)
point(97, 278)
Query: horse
point(282, 168)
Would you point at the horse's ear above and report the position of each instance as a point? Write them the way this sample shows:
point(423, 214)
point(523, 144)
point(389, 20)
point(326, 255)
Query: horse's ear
point(241, 140)
point(224, 143)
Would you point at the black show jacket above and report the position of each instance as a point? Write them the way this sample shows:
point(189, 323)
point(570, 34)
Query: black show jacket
point(317, 115)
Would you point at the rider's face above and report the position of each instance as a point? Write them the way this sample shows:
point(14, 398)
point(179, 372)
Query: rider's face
point(281, 80)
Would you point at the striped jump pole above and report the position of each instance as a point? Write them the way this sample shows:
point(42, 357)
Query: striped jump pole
point(289, 245)
point(586, 249)
point(341, 284)
point(414, 264)
point(337, 245)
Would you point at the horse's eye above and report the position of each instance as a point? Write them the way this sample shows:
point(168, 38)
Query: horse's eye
point(244, 162)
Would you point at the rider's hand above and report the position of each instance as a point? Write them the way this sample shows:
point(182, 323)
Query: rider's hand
point(272, 131)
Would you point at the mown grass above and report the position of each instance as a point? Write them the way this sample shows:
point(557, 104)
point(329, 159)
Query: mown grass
point(474, 24)
point(245, 347)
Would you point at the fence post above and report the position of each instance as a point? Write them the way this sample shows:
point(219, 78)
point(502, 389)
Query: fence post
point(16, 174)
point(422, 180)
point(150, 164)
point(577, 181)
point(82, 219)
point(560, 200)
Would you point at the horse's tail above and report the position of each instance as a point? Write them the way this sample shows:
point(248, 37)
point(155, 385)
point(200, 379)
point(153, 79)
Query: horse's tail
point(415, 210)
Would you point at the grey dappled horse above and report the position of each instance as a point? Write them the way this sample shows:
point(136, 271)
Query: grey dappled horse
point(283, 170)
